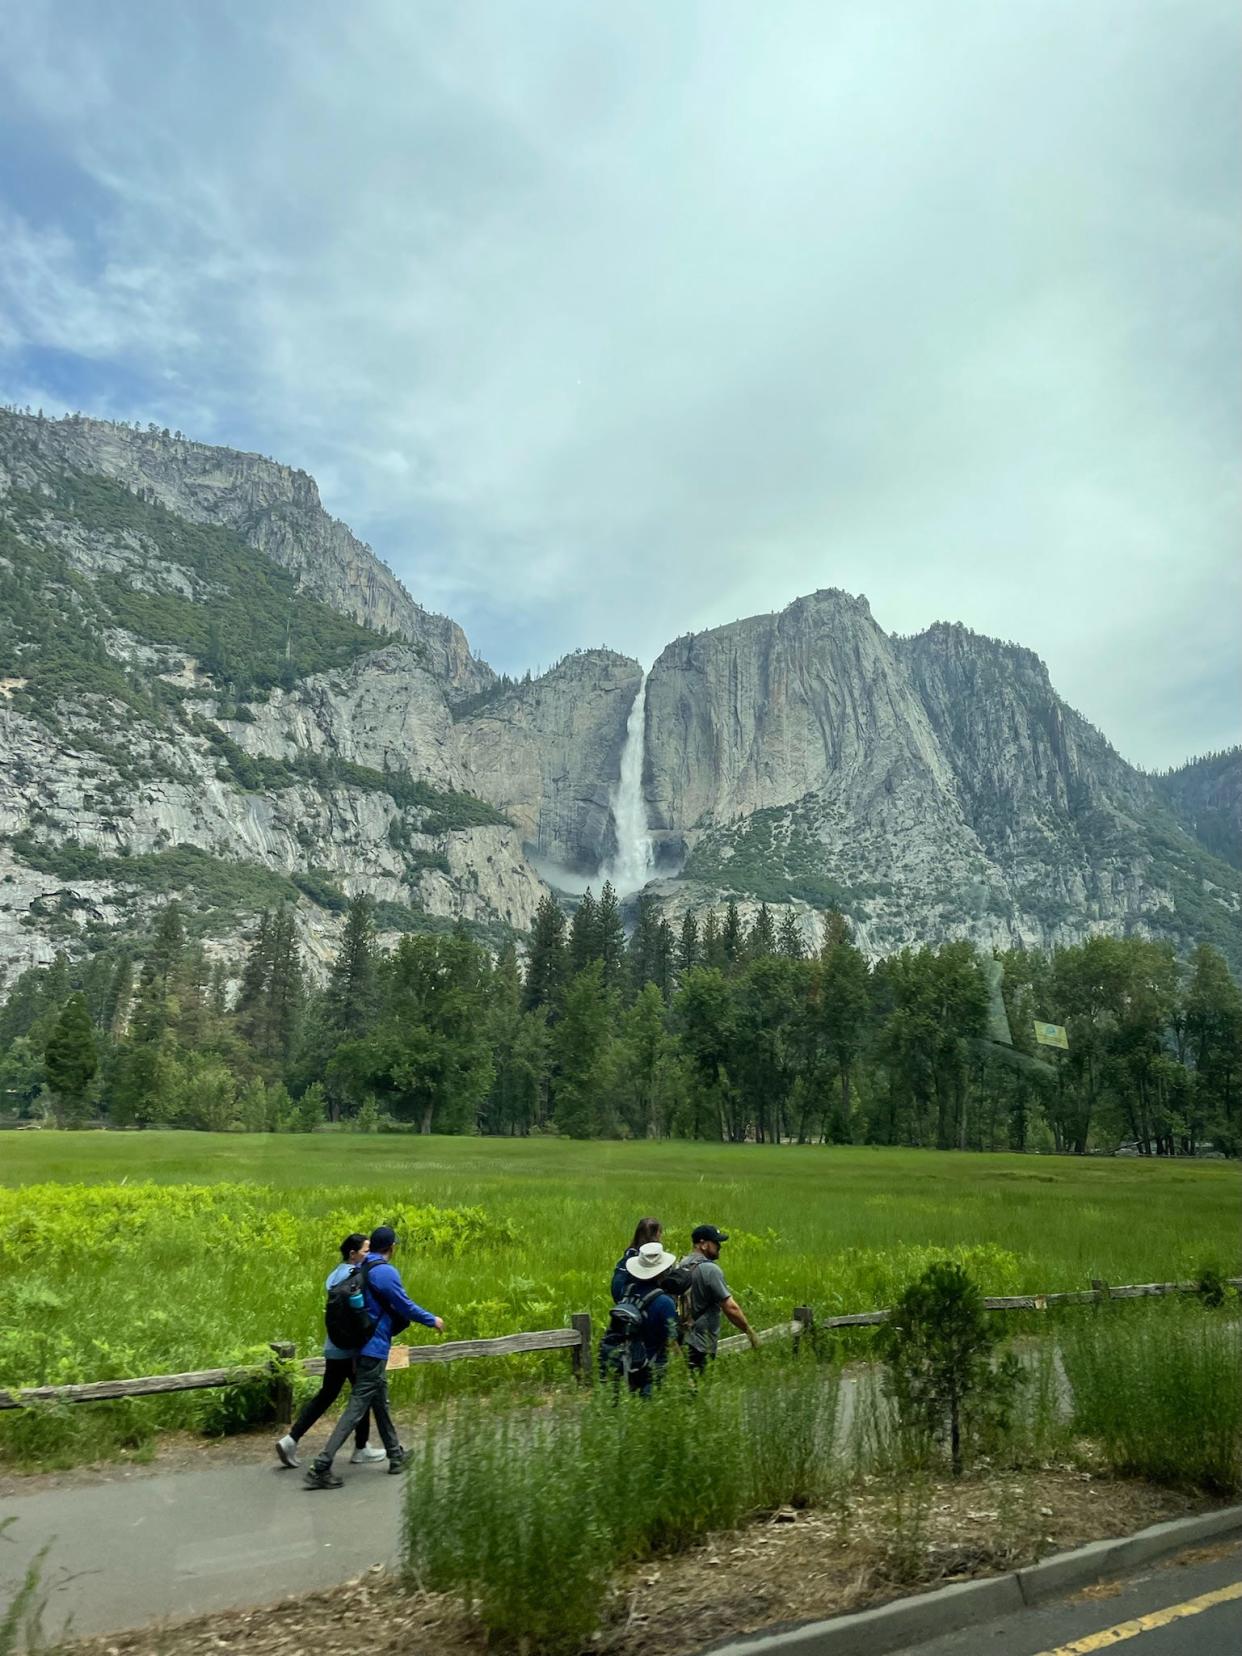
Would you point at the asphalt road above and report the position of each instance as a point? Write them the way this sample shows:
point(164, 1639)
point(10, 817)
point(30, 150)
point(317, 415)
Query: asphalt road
point(131, 1552)
point(1149, 1613)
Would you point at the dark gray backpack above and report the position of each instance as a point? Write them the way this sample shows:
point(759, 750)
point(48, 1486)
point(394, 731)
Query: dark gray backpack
point(626, 1347)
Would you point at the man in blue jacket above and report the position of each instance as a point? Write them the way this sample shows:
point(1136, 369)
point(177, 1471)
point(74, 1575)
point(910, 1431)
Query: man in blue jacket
point(391, 1309)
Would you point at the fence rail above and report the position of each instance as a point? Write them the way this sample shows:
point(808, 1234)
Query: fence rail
point(577, 1340)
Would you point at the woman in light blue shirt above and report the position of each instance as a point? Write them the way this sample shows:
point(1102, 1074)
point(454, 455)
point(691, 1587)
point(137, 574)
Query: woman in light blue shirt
point(338, 1368)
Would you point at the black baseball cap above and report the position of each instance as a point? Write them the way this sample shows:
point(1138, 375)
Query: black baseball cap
point(383, 1237)
point(708, 1233)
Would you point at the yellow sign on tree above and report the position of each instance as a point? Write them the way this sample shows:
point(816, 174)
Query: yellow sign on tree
point(1052, 1035)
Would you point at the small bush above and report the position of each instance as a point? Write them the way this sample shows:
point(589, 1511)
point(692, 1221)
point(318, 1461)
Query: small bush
point(1157, 1388)
point(938, 1346)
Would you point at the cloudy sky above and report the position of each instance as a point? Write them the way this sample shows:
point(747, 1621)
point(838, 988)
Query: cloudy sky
point(605, 322)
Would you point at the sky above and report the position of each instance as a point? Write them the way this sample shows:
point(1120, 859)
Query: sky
point(608, 322)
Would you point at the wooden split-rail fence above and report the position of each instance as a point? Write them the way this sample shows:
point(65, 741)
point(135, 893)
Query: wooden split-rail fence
point(577, 1340)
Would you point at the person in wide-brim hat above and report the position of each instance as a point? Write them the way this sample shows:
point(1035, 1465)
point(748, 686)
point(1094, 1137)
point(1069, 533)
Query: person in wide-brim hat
point(651, 1260)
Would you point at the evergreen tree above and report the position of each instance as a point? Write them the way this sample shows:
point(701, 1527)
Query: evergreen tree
point(644, 948)
point(688, 944)
point(789, 940)
point(580, 1046)
point(166, 950)
point(711, 950)
point(761, 941)
point(71, 1061)
point(546, 960)
point(611, 938)
point(665, 978)
point(731, 935)
point(585, 941)
point(120, 994)
point(351, 993)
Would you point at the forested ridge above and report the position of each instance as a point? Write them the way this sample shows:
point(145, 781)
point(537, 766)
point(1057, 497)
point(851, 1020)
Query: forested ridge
point(714, 1031)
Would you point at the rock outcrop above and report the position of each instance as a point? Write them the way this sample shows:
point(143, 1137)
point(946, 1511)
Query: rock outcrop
point(547, 754)
point(272, 507)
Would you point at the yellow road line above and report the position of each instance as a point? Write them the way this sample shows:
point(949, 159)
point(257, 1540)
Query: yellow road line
point(1145, 1624)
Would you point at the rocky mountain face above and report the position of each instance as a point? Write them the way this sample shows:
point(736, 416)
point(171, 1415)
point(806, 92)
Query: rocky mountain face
point(1206, 795)
point(546, 753)
point(271, 507)
point(933, 786)
point(185, 709)
point(210, 688)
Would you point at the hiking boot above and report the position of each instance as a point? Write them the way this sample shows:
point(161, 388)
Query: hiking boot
point(367, 1454)
point(287, 1449)
point(322, 1477)
point(397, 1462)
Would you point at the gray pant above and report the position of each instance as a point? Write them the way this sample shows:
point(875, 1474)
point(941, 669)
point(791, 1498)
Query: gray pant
point(370, 1391)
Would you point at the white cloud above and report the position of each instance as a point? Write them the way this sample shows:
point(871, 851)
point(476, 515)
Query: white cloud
point(604, 323)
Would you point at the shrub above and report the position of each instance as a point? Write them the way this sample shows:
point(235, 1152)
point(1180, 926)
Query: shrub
point(938, 1346)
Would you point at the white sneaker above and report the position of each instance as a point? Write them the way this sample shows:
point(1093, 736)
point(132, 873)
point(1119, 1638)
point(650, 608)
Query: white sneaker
point(287, 1449)
point(363, 1457)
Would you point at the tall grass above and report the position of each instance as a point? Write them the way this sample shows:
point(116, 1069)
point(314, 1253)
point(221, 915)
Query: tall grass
point(1159, 1387)
point(126, 1254)
point(527, 1516)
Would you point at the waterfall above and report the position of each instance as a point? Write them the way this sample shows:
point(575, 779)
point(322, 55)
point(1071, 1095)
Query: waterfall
point(634, 862)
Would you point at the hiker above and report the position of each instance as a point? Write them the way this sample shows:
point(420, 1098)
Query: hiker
point(643, 1324)
point(646, 1230)
point(390, 1309)
point(706, 1296)
point(338, 1368)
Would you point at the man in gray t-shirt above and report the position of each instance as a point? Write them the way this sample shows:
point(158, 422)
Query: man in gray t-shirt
point(709, 1296)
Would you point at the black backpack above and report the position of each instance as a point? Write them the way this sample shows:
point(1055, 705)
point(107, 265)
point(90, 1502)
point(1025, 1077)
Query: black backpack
point(349, 1326)
point(624, 1340)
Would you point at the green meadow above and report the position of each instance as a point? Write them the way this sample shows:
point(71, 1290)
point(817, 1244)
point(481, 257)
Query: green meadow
point(129, 1254)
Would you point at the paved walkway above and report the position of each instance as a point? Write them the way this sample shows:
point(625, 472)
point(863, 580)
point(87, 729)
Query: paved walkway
point(146, 1549)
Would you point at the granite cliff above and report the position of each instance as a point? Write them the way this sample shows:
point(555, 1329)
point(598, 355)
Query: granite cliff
point(210, 688)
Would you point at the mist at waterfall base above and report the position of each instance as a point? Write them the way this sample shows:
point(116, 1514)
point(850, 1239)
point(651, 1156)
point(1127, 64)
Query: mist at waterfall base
point(633, 862)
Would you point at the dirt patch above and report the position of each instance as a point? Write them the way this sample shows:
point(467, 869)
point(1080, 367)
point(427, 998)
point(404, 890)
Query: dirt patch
point(872, 1544)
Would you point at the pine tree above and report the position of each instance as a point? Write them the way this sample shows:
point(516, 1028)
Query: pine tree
point(711, 948)
point(789, 940)
point(546, 961)
point(580, 1047)
point(584, 933)
point(688, 944)
point(611, 938)
point(666, 956)
point(644, 948)
point(166, 950)
point(71, 1060)
point(351, 993)
point(761, 941)
point(120, 994)
point(731, 934)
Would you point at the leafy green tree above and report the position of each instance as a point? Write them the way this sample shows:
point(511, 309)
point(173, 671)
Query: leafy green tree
point(704, 1016)
point(312, 1109)
point(21, 1077)
point(430, 1059)
point(71, 1061)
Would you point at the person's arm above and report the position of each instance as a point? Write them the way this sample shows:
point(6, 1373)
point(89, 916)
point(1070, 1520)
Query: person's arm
point(737, 1317)
point(391, 1290)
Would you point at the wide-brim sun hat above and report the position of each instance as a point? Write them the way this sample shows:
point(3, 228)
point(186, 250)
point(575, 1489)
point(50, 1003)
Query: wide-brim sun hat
point(651, 1260)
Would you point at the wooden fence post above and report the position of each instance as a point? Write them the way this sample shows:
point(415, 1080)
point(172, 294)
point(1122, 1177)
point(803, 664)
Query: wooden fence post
point(806, 1316)
point(1100, 1290)
point(282, 1383)
point(582, 1354)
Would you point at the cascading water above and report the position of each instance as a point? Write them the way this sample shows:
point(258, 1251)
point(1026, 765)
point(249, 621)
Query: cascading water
point(634, 862)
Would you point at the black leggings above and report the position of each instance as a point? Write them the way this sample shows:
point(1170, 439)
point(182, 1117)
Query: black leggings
point(337, 1370)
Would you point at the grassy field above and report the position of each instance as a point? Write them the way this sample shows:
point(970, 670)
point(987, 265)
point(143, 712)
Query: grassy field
point(127, 1254)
